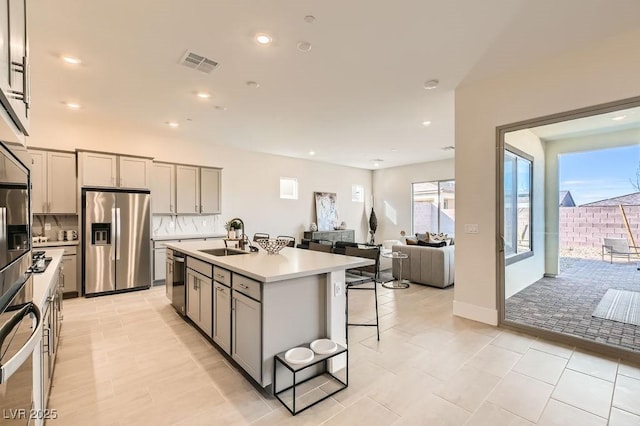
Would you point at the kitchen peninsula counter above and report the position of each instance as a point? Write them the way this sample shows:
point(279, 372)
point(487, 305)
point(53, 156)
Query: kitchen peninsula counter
point(264, 267)
point(256, 305)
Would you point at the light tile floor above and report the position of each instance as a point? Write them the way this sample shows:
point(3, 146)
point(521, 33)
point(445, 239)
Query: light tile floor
point(129, 359)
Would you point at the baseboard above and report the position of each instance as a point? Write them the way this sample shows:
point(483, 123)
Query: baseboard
point(476, 313)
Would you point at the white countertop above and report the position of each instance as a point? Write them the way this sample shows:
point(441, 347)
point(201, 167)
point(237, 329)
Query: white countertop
point(56, 244)
point(186, 236)
point(42, 282)
point(289, 263)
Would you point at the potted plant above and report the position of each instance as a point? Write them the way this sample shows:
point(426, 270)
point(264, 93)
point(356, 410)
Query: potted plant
point(234, 229)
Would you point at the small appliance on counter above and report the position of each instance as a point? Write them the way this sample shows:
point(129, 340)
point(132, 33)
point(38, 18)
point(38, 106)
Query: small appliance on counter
point(116, 242)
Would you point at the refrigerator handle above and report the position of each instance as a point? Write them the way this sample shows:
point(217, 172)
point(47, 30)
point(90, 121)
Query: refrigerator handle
point(118, 233)
point(113, 232)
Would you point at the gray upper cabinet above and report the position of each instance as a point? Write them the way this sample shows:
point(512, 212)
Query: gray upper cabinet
point(198, 190)
point(114, 171)
point(53, 177)
point(188, 191)
point(14, 71)
point(210, 183)
point(163, 188)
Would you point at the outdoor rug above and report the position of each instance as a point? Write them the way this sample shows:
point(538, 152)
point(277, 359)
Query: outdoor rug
point(619, 305)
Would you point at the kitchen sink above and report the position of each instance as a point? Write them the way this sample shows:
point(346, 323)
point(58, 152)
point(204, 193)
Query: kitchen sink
point(223, 252)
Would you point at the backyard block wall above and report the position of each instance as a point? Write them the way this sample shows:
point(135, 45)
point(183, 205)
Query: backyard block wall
point(587, 226)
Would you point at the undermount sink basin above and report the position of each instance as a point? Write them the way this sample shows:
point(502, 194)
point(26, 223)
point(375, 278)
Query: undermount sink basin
point(223, 251)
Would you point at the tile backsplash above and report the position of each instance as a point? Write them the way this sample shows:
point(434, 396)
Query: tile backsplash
point(163, 225)
point(57, 222)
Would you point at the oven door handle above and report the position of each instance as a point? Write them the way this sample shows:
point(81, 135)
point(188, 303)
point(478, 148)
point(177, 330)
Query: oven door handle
point(8, 368)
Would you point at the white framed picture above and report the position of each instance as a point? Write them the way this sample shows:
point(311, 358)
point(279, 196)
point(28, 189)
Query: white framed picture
point(357, 193)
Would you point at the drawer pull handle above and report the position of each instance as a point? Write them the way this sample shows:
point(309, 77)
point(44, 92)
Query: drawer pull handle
point(244, 286)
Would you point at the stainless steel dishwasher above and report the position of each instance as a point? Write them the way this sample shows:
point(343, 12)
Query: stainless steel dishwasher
point(175, 280)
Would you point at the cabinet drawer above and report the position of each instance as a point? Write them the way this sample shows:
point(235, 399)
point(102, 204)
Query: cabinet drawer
point(222, 276)
point(247, 286)
point(70, 250)
point(200, 266)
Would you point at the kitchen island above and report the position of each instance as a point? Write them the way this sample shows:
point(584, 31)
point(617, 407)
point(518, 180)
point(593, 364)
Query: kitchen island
point(256, 305)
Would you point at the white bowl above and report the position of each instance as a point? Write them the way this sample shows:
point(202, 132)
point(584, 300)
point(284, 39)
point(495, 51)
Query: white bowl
point(299, 355)
point(324, 346)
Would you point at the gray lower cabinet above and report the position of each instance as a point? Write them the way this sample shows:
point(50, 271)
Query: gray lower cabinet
point(200, 300)
point(222, 316)
point(246, 336)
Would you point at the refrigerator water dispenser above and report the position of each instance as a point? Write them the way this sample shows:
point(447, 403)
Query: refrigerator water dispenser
point(100, 234)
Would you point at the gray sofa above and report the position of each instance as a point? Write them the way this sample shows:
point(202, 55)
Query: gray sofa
point(432, 266)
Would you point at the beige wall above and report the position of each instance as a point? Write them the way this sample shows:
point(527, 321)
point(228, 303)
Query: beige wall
point(250, 180)
point(392, 191)
point(599, 73)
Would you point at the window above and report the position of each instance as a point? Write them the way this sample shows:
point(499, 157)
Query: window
point(518, 178)
point(289, 188)
point(434, 206)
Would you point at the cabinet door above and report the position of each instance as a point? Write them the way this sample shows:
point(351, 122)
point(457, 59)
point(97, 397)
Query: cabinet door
point(193, 297)
point(69, 272)
point(169, 278)
point(206, 307)
point(98, 169)
point(159, 264)
point(134, 172)
point(222, 316)
point(163, 189)
point(210, 183)
point(39, 181)
point(4, 45)
point(246, 336)
point(61, 182)
point(17, 56)
point(187, 194)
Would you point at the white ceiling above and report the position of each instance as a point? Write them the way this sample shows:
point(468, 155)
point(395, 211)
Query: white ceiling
point(356, 96)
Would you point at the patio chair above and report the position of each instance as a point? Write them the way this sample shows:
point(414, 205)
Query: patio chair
point(619, 247)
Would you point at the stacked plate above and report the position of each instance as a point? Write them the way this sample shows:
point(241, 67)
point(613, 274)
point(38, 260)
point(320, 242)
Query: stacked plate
point(299, 355)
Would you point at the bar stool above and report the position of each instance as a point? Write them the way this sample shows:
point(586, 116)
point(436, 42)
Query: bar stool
point(260, 236)
point(356, 277)
point(320, 247)
point(292, 241)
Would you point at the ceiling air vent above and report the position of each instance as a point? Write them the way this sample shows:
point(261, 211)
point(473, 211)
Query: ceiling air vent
point(448, 148)
point(198, 62)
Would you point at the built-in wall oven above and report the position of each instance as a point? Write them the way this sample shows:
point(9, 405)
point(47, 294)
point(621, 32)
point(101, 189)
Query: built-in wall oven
point(20, 319)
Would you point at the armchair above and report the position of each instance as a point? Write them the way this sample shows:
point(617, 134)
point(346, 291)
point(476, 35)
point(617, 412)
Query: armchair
point(619, 247)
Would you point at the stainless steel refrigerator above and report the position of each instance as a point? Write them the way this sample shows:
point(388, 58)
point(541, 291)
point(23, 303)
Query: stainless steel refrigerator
point(117, 246)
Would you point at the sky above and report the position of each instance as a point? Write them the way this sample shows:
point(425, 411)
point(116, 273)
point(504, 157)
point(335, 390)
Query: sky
point(598, 175)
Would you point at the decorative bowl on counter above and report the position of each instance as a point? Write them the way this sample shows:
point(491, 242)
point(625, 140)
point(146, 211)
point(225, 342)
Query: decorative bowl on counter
point(272, 246)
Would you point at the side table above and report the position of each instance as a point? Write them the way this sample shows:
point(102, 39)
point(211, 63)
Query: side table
point(399, 283)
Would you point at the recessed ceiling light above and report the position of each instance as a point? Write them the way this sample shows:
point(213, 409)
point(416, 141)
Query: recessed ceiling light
point(73, 105)
point(377, 161)
point(620, 117)
point(431, 84)
point(426, 123)
point(71, 60)
point(173, 124)
point(253, 84)
point(304, 46)
point(448, 148)
point(203, 95)
point(263, 39)
point(312, 153)
point(309, 19)
point(394, 150)
point(220, 107)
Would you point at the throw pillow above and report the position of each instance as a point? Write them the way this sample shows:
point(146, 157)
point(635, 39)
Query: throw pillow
point(428, 244)
point(440, 237)
point(411, 241)
point(423, 237)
